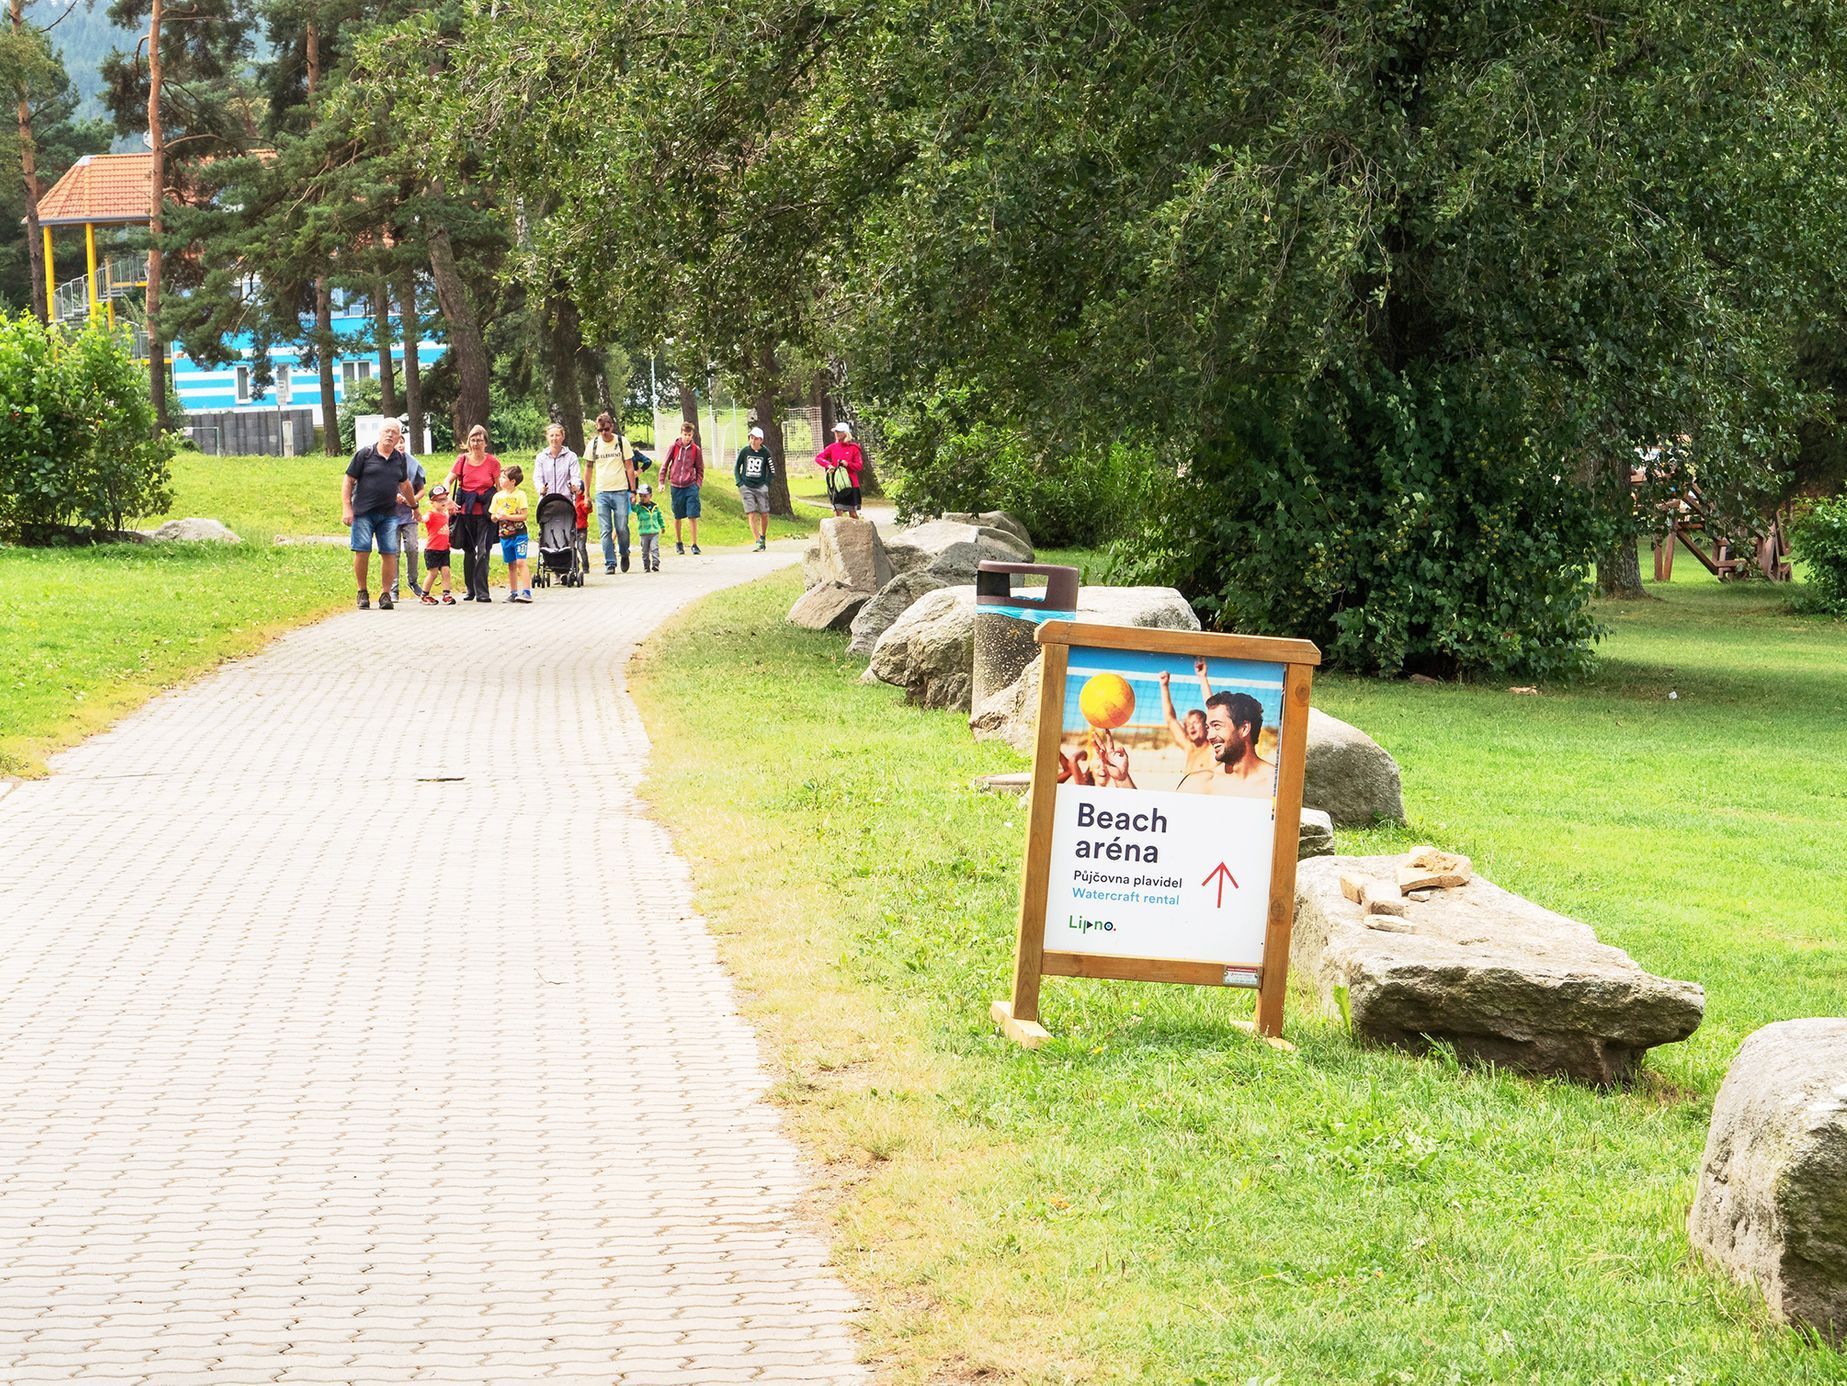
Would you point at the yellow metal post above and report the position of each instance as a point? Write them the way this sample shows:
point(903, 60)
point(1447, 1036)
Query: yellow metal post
point(89, 252)
point(51, 280)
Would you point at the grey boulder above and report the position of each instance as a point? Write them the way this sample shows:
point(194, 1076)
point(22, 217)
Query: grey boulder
point(994, 519)
point(1159, 608)
point(953, 550)
point(892, 601)
point(827, 607)
point(1349, 775)
point(929, 651)
point(1012, 714)
point(1495, 976)
point(847, 553)
point(1771, 1206)
point(194, 530)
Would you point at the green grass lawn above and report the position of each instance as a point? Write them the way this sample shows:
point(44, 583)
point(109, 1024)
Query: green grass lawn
point(1155, 1198)
point(88, 634)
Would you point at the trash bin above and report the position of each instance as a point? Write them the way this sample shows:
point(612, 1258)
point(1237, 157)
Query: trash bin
point(1006, 620)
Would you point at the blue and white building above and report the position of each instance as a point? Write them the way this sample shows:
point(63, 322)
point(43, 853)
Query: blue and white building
point(295, 383)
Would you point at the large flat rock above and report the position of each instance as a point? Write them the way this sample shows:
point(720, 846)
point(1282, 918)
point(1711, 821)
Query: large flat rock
point(993, 519)
point(952, 550)
point(1499, 978)
point(1771, 1207)
point(829, 606)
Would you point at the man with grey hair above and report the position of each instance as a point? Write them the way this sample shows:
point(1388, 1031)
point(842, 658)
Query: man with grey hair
point(377, 481)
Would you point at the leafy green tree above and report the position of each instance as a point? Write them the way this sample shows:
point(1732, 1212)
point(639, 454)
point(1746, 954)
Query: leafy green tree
point(1394, 294)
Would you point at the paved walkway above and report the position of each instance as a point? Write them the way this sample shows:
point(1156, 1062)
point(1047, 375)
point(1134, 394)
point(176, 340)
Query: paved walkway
point(306, 1074)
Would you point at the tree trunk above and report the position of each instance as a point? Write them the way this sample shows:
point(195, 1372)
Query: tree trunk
point(769, 419)
point(689, 407)
point(413, 368)
point(1619, 568)
point(465, 342)
point(1619, 571)
point(822, 403)
point(381, 335)
point(868, 477)
point(28, 170)
point(564, 344)
point(323, 356)
point(157, 197)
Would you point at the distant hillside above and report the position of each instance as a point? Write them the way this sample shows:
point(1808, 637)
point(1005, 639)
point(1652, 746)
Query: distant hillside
point(84, 39)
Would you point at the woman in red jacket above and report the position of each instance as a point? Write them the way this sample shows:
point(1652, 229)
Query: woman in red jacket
point(842, 454)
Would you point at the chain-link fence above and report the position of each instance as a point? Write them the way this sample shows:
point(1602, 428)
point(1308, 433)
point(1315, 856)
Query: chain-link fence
point(723, 431)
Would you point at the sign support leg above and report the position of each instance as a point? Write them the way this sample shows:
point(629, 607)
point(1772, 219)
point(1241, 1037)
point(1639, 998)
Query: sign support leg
point(1291, 758)
point(1019, 1018)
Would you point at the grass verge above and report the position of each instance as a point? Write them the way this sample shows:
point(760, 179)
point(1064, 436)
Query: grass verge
point(1154, 1198)
point(90, 634)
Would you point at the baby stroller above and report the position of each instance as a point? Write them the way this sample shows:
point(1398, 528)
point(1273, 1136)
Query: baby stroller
point(559, 555)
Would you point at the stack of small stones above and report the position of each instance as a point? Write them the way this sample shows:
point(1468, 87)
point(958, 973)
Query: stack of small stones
point(1423, 871)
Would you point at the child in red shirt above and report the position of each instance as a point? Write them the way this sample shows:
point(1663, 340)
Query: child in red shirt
point(436, 545)
point(583, 531)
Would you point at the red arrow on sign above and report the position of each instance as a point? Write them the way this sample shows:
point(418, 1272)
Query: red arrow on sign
point(1223, 873)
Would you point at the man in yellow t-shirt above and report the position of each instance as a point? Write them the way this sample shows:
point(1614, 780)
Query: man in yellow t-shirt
point(609, 476)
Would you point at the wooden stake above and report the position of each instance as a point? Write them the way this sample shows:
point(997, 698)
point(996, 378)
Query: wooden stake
point(1030, 949)
point(1291, 752)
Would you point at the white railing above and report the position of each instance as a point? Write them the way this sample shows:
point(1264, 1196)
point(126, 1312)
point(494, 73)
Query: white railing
point(122, 275)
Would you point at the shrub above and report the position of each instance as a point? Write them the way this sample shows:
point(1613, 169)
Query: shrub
point(1384, 523)
point(944, 461)
point(1821, 543)
point(77, 440)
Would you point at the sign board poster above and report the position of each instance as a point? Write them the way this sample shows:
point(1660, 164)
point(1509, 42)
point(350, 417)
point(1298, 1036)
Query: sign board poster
point(1166, 847)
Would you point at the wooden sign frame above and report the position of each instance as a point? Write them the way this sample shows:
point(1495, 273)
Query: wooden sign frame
point(1019, 1018)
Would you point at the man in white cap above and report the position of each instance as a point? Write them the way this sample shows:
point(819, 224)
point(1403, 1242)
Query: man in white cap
point(753, 471)
point(842, 456)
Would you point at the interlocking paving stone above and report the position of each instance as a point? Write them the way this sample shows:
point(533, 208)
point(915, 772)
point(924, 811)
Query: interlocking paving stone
point(332, 1050)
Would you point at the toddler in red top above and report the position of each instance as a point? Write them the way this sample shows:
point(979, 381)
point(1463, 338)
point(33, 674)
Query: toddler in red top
point(583, 512)
point(436, 545)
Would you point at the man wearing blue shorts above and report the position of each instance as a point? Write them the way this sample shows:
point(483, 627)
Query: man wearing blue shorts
point(377, 482)
point(685, 470)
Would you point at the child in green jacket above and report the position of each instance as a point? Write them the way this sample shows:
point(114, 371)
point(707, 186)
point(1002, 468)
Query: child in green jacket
point(649, 522)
